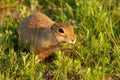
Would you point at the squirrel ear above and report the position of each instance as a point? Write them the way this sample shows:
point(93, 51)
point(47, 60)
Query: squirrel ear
point(53, 27)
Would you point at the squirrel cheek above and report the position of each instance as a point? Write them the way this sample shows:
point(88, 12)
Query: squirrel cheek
point(60, 38)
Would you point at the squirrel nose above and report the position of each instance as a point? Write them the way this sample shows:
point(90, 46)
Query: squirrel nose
point(73, 40)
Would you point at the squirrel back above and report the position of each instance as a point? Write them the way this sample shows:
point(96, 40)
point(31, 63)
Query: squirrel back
point(36, 20)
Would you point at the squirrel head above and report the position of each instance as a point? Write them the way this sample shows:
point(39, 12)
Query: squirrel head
point(64, 33)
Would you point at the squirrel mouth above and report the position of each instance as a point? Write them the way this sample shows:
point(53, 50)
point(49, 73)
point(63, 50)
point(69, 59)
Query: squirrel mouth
point(72, 41)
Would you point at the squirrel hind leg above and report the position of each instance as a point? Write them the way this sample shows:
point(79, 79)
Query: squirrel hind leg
point(46, 52)
point(42, 56)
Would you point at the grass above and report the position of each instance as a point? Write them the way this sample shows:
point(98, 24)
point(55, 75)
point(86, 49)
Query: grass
point(96, 54)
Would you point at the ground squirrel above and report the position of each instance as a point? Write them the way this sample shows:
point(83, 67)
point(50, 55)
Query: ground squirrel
point(43, 36)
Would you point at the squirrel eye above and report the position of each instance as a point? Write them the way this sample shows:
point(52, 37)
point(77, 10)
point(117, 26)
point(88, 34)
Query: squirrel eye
point(60, 30)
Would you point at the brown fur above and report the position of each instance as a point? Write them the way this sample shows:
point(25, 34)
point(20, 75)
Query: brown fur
point(43, 36)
